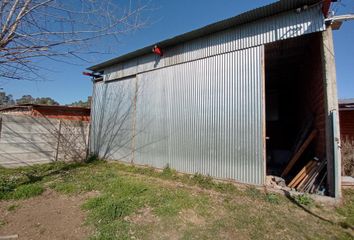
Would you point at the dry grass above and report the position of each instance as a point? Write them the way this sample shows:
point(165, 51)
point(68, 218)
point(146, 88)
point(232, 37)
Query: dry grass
point(348, 157)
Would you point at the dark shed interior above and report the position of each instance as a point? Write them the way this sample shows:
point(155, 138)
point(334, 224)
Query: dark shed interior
point(294, 102)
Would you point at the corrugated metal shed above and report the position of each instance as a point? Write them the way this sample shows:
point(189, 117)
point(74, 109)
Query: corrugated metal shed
point(199, 108)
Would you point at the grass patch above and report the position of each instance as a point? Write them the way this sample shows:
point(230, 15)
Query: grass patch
point(143, 203)
point(123, 196)
point(272, 198)
point(26, 191)
point(26, 182)
point(254, 193)
point(203, 181)
point(347, 209)
point(169, 173)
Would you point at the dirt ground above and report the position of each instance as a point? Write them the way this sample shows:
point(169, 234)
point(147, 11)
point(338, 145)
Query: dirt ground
point(48, 216)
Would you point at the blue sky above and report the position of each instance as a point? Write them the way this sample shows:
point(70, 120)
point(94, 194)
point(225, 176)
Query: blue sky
point(65, 82)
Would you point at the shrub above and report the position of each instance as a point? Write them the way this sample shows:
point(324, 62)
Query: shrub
point(304, 199)
point(92, 158)
point(8, 184)
point(348, 157)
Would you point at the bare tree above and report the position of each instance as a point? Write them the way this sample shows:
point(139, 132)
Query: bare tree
point(54, 29)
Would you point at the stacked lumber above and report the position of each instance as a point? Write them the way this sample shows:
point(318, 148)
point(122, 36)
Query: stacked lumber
point(299, 152)
point(309, 179)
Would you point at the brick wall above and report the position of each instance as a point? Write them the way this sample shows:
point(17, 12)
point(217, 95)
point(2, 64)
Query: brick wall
point(79, 115)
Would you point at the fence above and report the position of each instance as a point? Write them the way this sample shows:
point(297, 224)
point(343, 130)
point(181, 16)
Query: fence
point(26, 140)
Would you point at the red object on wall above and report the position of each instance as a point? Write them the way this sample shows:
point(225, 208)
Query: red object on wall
point(157, 51)
point(91, 74)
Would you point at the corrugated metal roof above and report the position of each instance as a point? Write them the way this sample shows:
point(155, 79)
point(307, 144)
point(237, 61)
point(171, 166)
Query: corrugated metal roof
point(290, 24)
point(250, 16)
point(346, 101)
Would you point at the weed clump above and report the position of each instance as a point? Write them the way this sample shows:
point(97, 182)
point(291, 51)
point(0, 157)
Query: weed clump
point(272, 198)
point(92, 158)
point(12, 207)
point(304, 199)
point(169, 173)
point(253, 192)
point(203, 181)
point(27, 191)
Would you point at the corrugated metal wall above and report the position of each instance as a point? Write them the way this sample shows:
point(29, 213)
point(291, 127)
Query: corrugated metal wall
point(113, 110)
point(203, 116)
point(283, 26)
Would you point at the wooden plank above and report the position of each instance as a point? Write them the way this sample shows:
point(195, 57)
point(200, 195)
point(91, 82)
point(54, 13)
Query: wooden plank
point(300, 173)
point(307, 177)
point(302, 149)
point(303, 174)
point(310, 184)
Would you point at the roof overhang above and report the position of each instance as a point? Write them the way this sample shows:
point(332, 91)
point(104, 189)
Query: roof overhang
point(337, 21)
point(250, 16)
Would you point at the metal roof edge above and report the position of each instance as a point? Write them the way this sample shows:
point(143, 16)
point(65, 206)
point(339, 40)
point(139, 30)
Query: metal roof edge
point(30, 105)
point(243, 18)
point(346, 101)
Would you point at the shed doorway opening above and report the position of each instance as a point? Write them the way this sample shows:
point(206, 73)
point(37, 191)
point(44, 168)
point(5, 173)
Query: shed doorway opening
point(295, 112)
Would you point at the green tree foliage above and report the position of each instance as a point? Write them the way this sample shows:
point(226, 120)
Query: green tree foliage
point(46, 101)
point(6, 99)
point(26, 99)
point(81, 103)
